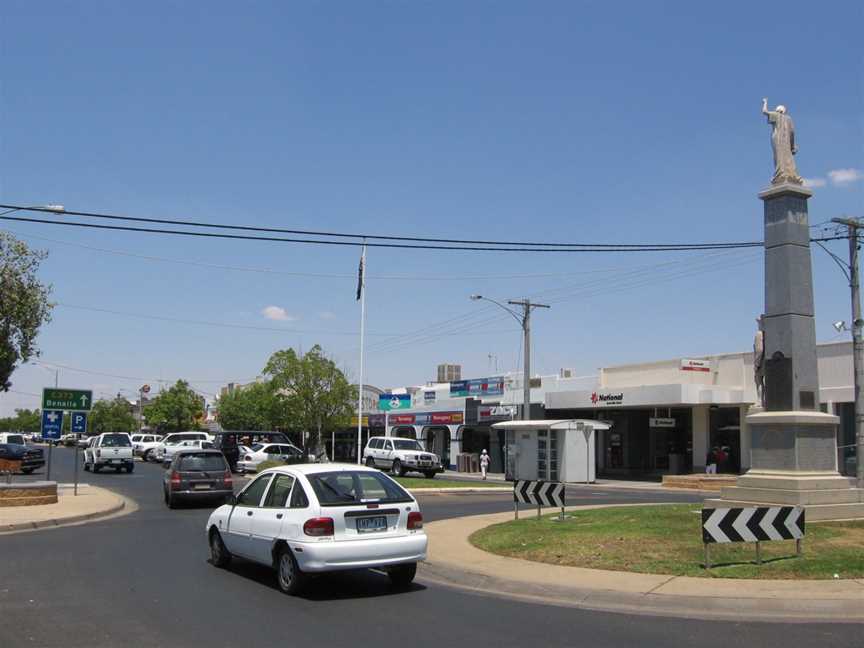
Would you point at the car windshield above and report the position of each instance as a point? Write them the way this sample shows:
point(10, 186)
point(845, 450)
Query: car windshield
point(355, 487)
point(204, 461)
point(407, 444)
point(115, 441)
point(255, 447)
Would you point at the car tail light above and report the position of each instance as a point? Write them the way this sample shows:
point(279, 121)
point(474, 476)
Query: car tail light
point(175, 480)
point(227, 481)
point(415, 520)
point(322, 526)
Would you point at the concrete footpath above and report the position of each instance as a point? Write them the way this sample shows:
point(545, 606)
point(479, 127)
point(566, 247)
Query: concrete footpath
point(91, 503)
point(453, 561)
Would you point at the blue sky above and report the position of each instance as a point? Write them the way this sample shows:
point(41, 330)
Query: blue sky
point(571, 121)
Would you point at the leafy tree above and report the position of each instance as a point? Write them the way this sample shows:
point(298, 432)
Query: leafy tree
point(175, 409)
point(111, 416)
point(24, 305)
point(253, 407)
point(25, 420)
point(313, 394)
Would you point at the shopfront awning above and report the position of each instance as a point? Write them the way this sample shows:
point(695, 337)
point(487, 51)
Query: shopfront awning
point(674, 395)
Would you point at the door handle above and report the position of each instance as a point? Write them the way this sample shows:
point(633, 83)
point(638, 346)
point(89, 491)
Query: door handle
point(248, 512)
point(278, 516)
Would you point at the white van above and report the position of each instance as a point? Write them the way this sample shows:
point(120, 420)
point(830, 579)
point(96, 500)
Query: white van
point(12, 437)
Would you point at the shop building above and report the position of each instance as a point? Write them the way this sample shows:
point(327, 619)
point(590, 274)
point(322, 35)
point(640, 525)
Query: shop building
point(666, 416)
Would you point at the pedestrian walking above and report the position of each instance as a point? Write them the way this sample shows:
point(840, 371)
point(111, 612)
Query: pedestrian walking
point(485, 459)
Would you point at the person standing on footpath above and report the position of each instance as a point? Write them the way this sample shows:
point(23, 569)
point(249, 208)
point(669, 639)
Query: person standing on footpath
point(484, 463)
point(711, 461)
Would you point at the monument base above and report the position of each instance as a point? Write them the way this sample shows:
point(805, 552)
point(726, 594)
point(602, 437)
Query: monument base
point(794, 459)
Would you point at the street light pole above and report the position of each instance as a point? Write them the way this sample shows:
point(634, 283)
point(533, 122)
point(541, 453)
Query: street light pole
point(852, 227)
point(524, 320)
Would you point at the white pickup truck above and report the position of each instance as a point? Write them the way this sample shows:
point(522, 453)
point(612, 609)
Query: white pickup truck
point(109, 450)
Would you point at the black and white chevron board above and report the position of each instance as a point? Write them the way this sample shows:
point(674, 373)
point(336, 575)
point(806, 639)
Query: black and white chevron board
point(756, 524)
point(538, 492)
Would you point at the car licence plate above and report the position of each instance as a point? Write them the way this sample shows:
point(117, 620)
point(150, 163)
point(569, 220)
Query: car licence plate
point(372, 524)
point(200, 486)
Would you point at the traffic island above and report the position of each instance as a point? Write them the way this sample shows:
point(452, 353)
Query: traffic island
point(455, 562)
point(28, 493)
point(90, 504)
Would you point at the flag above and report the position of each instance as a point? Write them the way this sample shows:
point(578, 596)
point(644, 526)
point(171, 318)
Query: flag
point(361, 274)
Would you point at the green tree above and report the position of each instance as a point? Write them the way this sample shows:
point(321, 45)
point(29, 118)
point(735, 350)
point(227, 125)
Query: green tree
point(111, 416)
point(175, 409)
point(313, 394)
point(253, 407)
point(25, 420)
point(24, 305)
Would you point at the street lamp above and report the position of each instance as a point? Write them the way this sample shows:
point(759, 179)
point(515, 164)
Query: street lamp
point(524, 319)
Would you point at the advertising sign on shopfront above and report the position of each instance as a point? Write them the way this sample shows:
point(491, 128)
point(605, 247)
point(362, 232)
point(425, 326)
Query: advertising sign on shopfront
point(428, 418)
point(656, 422)
point(387, 402)
point(695, 365)
point(477, 387)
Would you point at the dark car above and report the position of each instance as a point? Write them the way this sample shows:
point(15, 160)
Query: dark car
point(196, 476)
point(228, 441)
point(30, 458)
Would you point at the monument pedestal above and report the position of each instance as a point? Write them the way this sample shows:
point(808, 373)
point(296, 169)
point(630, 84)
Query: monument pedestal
point(794, 459)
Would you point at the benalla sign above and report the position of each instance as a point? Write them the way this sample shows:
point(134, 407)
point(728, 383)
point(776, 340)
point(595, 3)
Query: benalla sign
point(607, 399)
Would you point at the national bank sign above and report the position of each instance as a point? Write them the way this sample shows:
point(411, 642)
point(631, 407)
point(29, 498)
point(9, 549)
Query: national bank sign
point(607, 399)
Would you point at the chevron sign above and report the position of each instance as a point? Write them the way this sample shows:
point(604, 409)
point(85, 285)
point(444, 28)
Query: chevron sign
point(538, 492)
point(757, 524)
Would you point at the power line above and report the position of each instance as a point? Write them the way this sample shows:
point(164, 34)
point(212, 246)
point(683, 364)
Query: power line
point(365, 236)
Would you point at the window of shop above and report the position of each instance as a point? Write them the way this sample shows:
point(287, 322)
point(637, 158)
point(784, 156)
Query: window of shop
point(407, 432)
point(474, 441)
point(438, 442)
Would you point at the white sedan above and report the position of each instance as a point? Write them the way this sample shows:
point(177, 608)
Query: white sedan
point(260, 452)
point(165, 453)
point(312, 518)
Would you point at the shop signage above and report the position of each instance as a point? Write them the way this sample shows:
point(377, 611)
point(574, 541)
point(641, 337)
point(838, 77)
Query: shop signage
point(428, 418)
point(428, 397)
point(389, 402)
point(371, 420)
point(477, 387)
point(497, 413)
point(661, 422)
point(607, 399)
point(695, 365)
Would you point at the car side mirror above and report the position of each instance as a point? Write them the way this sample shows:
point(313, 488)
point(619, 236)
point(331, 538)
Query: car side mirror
point(231, 500)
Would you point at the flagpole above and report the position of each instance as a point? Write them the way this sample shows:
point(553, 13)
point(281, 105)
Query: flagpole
point(361, 287)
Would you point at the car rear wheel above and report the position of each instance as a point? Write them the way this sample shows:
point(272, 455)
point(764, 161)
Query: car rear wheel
point(169, 500)
point(397, 468)
point(288, 574)
point(86, 466)
point(146, 456)
point(130, 468)
point(370, 462)
point(219, 554)
point(403, 575)
point(96, 468)
point(430, 474)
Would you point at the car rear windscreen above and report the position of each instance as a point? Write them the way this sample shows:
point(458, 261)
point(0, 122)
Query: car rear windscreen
point(15, 438)
point(205, 461)
point(116, 441)
point(356, 487)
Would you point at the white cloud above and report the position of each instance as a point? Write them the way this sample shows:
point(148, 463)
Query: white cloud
point(815, 182)
point(277, 313)
point(327, 315)
point(841, 177)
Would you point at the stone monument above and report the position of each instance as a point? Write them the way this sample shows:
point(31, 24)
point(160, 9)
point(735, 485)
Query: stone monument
point(793, 443)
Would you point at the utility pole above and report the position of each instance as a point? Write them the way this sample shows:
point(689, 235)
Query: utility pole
point(524, 320)
point(852, 227)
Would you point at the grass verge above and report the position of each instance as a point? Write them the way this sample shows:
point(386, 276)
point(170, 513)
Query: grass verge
point(668, 540)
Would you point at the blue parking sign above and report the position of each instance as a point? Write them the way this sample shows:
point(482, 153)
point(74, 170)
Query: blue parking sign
point(52, 424)
point(79, 422)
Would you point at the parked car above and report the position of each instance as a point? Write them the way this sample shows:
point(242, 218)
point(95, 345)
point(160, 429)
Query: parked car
point(109, 450)
point(313, 518)
point(226, 443)
point(12, 437)
point(83, 441)
point(261, 452)
point(30, 458)
point(143, 445)
point(165, 454)
point(197, 475)
point(400, 456)
point(175, 438)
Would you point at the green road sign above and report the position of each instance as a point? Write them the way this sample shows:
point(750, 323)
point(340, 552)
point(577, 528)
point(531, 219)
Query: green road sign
point(79, 400)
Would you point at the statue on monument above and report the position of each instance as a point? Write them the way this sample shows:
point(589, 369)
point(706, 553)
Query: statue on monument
point(759, 361)
point(783, 145)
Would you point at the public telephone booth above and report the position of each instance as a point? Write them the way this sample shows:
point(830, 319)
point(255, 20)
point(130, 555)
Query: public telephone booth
point(553, 450)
